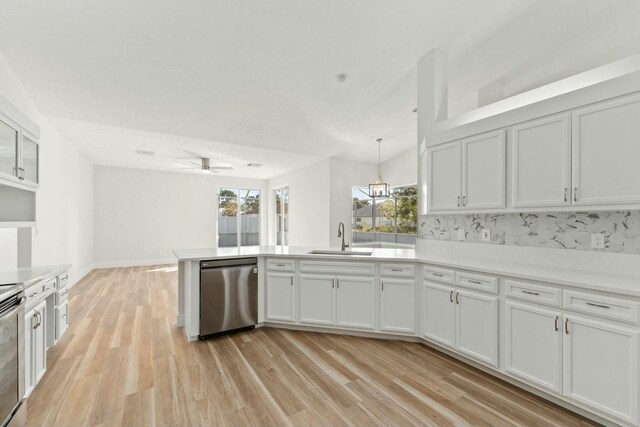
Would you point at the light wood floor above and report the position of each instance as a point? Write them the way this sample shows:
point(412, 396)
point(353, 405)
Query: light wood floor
point(124, 362)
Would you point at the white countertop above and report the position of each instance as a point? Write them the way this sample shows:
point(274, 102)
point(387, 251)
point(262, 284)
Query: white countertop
point(28, 276)
point(585, 279)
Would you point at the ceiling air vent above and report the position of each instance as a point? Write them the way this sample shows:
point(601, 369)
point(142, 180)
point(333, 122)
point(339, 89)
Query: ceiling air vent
point(145, 153)
point(254, 165)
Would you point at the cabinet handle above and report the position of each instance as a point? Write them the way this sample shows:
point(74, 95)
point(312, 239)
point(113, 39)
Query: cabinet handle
point(556, 322)
point(458, 201)
point(593, 304)
point(438, 274)
point(565, 194)
point(575, 194)
point(337, 283)
point(396, 269)
point(477, 282)
point(382, 283)
point(280, 265)
point(451, 296)
point(464, 201)
point(333, 282)
point(291, 280)
point(524, 291)
point(35, 316)
point(566, 326)
point(457, 298)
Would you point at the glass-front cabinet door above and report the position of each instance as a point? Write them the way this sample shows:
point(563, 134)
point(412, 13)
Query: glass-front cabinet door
point(8, 150)
point(30, 152)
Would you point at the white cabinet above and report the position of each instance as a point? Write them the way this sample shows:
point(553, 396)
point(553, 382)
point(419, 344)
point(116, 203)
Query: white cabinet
point(483, 166)
point(19, 154)
point(8, 150)
point(467, 174)
point(477, 326)
point(397, 305)
point(439, 314)
point(601, 366)
point(62, 319)
point(355, 302)
point(605, 153)
point(317, 299)
point(280, 297)
point(444, 188)
point(533, 345)
point(541, 153)
point(35, 349)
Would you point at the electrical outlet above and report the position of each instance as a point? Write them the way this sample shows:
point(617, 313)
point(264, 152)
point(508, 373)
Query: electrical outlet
point(597, 241)
point(486, 235)
point(461, 234)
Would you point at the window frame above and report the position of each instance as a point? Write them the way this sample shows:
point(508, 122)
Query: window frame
point(239, 214)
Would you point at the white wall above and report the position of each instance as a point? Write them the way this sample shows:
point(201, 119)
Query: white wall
point(8, 248)
point(401, 169)
point(64, 200)
point(141, 215)
point(308, 205)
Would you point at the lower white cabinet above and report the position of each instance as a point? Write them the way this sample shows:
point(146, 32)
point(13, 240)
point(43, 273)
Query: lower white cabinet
point(317, 299)
point(397, 305)
point(280, 297)
point(601, 366)
point(477, 326)
point(464, 320)
point(355, 302)
point(337, 300)
point(35, 349)
point(62, 319)
point(533, 343)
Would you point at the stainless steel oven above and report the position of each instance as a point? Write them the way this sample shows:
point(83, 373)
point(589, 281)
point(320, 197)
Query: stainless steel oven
point(11, 350)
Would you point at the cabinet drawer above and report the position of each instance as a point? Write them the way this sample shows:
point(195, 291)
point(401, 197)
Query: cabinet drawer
point(63, 280)
point(534, 293)
point(337, 267)
point(439, 275)
point(62, 320)
point(398, 270)
point(62, 295)
point(33, 292)
point(281, 264)
point(612, 308)
point(50, 285)
point(478, 282)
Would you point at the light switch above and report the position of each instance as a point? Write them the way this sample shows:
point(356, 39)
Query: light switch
point(486, 235)
point(461, 234)
point(597, 240)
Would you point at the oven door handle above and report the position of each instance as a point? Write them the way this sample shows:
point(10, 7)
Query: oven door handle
point(13, 311)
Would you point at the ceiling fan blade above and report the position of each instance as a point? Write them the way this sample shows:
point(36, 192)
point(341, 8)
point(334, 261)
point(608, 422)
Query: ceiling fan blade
point(192, 168)
point(221, 167)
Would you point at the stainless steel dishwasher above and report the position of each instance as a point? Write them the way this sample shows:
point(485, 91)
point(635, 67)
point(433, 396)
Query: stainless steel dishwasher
point(228, 296)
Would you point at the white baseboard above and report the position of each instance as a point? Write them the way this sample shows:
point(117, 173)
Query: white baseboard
point(137, 263)
point(76, 277)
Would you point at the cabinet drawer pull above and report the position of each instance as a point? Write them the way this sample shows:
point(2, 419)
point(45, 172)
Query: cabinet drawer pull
point(396, 269)
point(337, 283)
point(566, 326)
point(438, 274)
point(556, 323)
point(451, 296)
point(524, 291)
point(593, 304)
point(477, 282)
point(457, 299)
point(291, 280)
point(281, 265)
point(565, 194)
point(382, 285)
point(575, 194)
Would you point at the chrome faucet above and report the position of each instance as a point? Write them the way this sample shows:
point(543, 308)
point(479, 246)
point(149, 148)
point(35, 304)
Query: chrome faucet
point(341, 234)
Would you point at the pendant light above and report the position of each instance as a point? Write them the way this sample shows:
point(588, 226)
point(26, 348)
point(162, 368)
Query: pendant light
point(380, 189)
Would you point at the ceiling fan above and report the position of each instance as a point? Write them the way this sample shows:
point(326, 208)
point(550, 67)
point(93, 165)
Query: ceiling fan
point(205, 166)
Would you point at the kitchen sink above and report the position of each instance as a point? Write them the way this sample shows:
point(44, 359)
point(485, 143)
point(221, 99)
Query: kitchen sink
point(321, 252)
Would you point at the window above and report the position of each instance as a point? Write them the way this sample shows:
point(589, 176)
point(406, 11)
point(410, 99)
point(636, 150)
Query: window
point(385, 221)
point(282, 216)
point(238, 217)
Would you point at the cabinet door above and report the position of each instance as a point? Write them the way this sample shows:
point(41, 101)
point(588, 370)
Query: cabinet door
point(439, 314)
point(484, 164)
point(317, 299)
point(8, 150)
point(534, 345)
point(542, 163)
point(601, 366)
point(39, 342)
point(605, 153)
point(397, 306)
point(280, 297)
point(355, 302)
point(62, 319)
point(444, 186)
point(30, 322)
point(477, 326)
point(29, 152)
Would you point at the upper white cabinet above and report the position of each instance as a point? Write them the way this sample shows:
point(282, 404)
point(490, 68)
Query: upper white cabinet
point(444, 190)
point(18, 155)
point(467, 174)
point(541, 154)
point(606, 150)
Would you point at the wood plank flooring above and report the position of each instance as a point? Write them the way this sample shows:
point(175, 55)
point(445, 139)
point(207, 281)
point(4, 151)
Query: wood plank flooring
point(124, 362)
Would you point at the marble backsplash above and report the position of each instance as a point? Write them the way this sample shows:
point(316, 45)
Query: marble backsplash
point(562, 230)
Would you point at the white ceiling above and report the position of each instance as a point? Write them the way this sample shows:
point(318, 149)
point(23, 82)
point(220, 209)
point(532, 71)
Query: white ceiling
point(227, 75)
